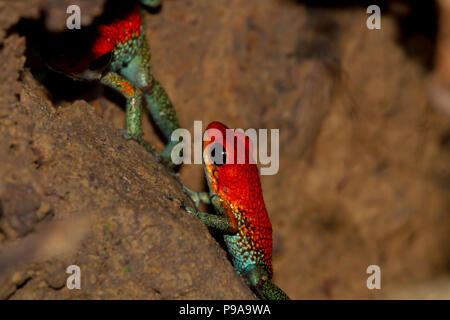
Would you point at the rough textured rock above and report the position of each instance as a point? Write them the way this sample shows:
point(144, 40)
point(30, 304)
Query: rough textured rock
point(364, 158)
point(66, 163)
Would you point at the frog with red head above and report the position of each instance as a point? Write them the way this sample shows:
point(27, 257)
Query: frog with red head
point(115, 52)
point(236, 195)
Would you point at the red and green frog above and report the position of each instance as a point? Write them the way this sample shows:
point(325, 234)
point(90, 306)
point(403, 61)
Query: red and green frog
point(235, 193)
point(115, 52)
point(117, 55)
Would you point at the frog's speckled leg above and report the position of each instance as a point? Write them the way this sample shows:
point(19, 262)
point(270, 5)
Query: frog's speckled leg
point(133, 103)
point(139, 72)
point(257, 276)
point(223, 222)
point(271, 291)
point(258, 279)
point(197, 197)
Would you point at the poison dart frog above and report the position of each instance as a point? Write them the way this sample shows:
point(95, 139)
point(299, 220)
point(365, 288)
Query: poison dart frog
point(236, 195)
point(114, 51)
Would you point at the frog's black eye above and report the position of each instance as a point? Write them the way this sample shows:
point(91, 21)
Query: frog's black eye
point(101, 62)
point(218, 154)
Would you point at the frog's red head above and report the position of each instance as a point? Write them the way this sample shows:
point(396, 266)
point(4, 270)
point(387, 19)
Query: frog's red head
point(233, 175)
point(228, 161)
point(228, 158)
point(117, 31)
point(224, 146)
point(86, 54)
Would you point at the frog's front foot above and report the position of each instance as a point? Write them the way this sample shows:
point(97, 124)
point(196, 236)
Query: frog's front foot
point(127, 135)
point(160, 158)
point(189, 209)
point(167, 162)
point(183, 204)
point(193, 195)
point(166, 155)
point(197, 197)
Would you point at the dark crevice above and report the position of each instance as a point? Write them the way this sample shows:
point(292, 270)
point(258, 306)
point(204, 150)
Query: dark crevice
point(418, 31)
point(44, 48)
point(68, 48)
point(18, 287)
point(445, 140)
point(40, 46)
point(417, 22)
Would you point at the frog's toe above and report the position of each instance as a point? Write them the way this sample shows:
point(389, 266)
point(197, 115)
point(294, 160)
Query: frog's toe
point(183, 204)
point(193, 195)
point(166, 161)
point(186, 207)
point(171, 197)
point(190, 210)
point(129, 136)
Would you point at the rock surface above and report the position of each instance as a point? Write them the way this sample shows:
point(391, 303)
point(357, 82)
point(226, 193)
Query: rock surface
point(364, 158)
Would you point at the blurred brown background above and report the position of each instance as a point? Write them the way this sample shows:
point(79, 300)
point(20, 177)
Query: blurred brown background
point(364, 156)
point(364, 119)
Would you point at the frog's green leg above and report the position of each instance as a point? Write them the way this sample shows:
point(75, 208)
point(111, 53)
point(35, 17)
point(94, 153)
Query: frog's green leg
point(133, 103)
point(133, 107)
point(139, 72)
point(197, 197)
point(223, 222)
point(259, 280)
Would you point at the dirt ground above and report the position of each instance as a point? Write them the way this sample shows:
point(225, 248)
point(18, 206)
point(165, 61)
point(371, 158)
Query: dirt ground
point(364, 176)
